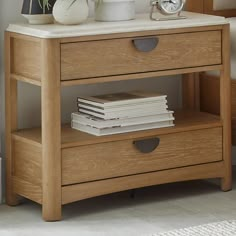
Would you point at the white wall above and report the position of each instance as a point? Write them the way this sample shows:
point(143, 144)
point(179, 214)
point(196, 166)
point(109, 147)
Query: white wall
point(29, 102)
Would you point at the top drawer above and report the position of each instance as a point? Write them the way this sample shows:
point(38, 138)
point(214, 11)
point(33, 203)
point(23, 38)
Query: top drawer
point(81, 60)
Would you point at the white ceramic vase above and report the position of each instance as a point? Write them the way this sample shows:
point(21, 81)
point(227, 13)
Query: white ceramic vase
point(114, 10)
point(39, 19)
point(71, 12)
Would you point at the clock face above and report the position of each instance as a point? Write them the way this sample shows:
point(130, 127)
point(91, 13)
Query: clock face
point(171, 6)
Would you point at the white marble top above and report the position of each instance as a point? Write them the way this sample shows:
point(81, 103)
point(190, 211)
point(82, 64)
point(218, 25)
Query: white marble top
point(91, 27)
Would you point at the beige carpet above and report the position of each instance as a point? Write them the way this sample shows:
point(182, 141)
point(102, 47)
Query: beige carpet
point(224, 228)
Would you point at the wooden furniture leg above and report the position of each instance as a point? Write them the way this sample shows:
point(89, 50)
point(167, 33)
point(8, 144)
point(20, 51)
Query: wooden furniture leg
point(225, 104)
point(51, 130)
point(11, 122)
point(190, 91)
point(195, 6)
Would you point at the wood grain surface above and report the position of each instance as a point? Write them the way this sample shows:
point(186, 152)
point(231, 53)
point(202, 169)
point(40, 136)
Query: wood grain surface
point(78, 192)
point(54, 164)
point(27, 189)
point(51, 130)
point(93, 162)
point(207, 7)
point(11, 120)
point(225, 109)
point(185, 121)
point(119, 56)
point(26, 58)
point(27, 161)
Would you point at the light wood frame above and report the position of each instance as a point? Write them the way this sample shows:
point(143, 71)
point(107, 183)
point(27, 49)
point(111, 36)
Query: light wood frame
point(46, 144)
point(211, 104)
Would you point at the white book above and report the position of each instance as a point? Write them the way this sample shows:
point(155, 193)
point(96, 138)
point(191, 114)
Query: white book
point(141, 106)
point(118, 99)
point(118, 130)
point(127, 113)
point(101, 124)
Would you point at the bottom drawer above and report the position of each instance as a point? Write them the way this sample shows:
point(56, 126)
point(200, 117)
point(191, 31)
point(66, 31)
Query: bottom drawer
point(121, 158)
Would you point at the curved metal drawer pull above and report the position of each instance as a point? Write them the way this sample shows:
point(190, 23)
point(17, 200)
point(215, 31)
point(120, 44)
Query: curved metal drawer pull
point(147, 145)
point(146, 44)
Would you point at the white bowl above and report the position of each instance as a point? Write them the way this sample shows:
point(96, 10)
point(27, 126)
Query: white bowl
point(115, 10)
point(39, 19)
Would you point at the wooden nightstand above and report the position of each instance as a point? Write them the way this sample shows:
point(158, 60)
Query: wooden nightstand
point(55, 165)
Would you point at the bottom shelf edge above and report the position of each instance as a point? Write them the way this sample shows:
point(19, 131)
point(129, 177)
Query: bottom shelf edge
point(73, 193)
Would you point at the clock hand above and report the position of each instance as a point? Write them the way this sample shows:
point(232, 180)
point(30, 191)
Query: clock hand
point(171, 1)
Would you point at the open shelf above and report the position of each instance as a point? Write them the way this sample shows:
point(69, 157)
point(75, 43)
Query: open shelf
point(185, 121)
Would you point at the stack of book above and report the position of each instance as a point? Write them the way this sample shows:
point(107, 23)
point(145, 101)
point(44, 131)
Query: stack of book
point(122, 112)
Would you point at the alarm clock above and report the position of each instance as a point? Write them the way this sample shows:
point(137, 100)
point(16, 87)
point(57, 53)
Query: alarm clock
point(167, 9)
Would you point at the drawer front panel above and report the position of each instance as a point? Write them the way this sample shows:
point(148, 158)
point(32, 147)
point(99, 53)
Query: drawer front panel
point(91, 59)
point(121, 158)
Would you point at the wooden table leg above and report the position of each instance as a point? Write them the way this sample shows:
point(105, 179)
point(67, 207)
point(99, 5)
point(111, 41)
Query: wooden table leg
point(190, 91)
point(225, 104)
point(51, 130)
point(11, 121)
